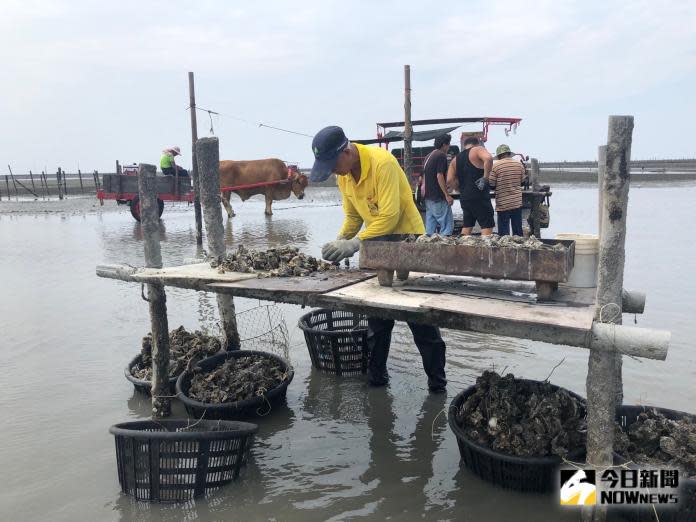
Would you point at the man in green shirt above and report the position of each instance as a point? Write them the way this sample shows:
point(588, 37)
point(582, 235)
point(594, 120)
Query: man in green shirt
point(167, 163)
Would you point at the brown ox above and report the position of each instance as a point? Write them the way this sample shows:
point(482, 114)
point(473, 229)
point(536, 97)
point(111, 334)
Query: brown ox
point(238, 173)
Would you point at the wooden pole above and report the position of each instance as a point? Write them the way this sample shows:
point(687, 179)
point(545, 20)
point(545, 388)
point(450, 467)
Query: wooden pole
point(7, 183)
point(602, 377)
point(194, 167)
point(21, 184)
point(82, 188)
point(208, 156)
point(601, 170)
point(408, 128)
point(60, 192)
point(64, 183)
point(33, 187)
point(45, 183)
point(157, 299)
point(534, 174)
point(14, 186)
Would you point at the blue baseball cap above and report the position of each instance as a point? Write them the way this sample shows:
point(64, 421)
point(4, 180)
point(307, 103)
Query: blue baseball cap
point(327, 144)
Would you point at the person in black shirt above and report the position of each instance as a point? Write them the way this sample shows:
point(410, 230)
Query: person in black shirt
point(438, 203)
point(469, 171)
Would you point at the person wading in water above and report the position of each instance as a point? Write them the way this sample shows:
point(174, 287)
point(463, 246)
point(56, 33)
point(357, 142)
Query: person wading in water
point(376, 193)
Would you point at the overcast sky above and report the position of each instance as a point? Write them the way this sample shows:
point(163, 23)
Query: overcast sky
point(90, 82)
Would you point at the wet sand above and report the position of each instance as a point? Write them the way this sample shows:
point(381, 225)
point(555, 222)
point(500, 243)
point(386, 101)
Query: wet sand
point(339, 450)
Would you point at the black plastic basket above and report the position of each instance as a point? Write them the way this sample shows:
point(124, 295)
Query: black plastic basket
point(337, 341)
point(175, 460)
point(258, 406)
point(685, 510)
point(528, 474)
point(141, 385)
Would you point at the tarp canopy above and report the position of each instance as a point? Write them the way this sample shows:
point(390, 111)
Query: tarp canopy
point(425, 135)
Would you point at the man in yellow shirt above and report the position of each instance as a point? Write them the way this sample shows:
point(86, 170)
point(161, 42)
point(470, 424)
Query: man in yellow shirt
point(376, 193)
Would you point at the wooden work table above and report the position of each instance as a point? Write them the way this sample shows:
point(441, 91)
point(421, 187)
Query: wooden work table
point(498, 307)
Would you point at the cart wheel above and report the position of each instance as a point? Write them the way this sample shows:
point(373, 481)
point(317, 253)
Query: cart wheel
point(135, 207)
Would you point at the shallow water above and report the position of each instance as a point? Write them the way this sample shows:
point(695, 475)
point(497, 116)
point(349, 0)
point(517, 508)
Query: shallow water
point(339, 450)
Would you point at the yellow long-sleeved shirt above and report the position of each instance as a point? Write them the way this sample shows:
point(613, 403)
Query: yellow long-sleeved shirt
point(381, 199)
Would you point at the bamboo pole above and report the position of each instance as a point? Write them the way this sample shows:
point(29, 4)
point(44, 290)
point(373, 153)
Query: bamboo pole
point(408, 128)
point(208, 156)
point(157, 298)
point(82, 188)
point(7, 183)
point(603, 381)
point(31, 177)
point(194, 167)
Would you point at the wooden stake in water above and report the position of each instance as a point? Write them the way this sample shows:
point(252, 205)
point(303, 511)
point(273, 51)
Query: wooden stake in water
point(58, 181)
point(157, 299)
point(21, 184)
point(31, 177)
point(82, 188)
point(602, 377)
point(7, 183)
point(194, 167)
point(408, 128)
point(208, 156)
point(45, 184)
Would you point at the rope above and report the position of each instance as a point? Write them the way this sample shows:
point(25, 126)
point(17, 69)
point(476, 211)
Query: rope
point(248, 122)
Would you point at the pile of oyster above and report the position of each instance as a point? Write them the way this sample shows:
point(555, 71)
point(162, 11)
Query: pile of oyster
point(528, 243)
point(237, 379)
point(523, 418)
point(274, 262)
point(658, 441)
point(186, 349)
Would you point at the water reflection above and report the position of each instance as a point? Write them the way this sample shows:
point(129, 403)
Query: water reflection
point(269, 233)
point(138, 231)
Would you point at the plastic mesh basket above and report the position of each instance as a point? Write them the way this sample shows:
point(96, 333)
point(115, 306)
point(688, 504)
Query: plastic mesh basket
point(337, 341)
point(142, 385)
point(175, 461)
point(529, 474)
point(259, 405)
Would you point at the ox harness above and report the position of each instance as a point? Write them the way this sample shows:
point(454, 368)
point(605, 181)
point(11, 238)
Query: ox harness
point(289, 179)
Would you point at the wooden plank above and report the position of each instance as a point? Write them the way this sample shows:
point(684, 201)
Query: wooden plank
point(194, 277)
point(292, 289)
point(559, 323)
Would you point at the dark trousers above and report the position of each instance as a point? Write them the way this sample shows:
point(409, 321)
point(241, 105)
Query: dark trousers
point(169, 171)
point(427, 339)
point(505, 217)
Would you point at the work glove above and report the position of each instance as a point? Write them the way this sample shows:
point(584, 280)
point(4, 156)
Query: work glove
point(481, 183)
point(340, 249)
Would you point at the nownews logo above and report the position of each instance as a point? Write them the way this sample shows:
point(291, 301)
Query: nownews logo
point(624, 487)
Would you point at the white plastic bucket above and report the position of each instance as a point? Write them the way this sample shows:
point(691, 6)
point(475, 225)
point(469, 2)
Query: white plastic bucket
point(584, 273)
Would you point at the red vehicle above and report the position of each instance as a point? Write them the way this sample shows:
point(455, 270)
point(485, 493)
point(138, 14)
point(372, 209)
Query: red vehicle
point(124, 189)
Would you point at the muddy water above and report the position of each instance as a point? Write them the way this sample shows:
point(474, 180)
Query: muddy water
point(339, 451)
